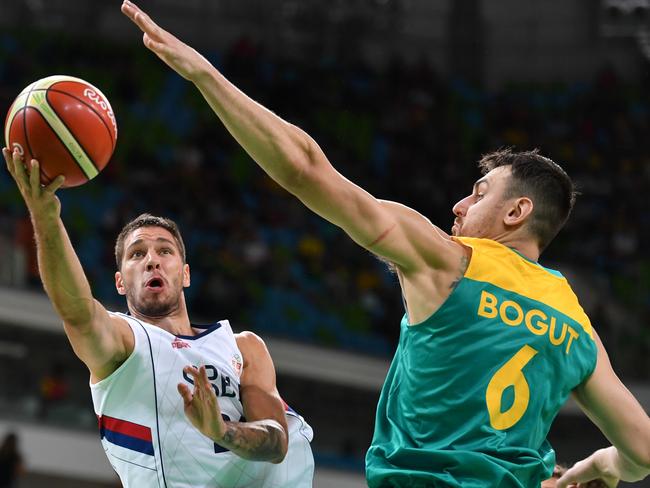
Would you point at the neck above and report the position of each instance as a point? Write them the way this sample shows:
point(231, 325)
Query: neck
point(176, 322)
point(524, 246)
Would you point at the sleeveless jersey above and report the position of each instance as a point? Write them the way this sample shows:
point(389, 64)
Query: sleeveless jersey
point(472, 391)
point(147, 437)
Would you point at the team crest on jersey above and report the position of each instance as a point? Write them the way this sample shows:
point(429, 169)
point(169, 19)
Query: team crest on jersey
point(237, 363)
point(179, 344)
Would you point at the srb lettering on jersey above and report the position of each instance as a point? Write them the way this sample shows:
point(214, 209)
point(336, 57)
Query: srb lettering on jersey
point(221, 383)
point(513, 314)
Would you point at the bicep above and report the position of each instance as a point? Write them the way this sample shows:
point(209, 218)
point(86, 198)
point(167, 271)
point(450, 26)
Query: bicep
point(103, 344)
point(259, 393)
point(613, 408)
point(387, 229)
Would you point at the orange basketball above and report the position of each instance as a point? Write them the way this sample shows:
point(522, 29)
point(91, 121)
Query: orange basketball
point(66, 124)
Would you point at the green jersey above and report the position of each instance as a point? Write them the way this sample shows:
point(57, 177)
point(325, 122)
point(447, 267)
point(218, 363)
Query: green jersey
point(472, 391)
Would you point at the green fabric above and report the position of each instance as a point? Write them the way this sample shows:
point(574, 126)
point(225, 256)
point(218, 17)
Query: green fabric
point(432, 424)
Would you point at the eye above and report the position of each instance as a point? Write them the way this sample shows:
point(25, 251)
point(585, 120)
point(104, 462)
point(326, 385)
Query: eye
point(479, 196)
point(137, 254)
point(166, 250)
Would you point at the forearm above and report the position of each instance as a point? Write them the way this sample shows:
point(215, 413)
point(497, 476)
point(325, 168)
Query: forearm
point(61, 273)
point(262, 440)
point(281, 149)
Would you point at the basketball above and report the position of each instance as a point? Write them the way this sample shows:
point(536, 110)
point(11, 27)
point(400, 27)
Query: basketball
point(66, 124)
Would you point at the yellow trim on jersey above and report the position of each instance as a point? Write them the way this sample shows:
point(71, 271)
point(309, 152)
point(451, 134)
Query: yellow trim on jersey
point(38, 99)
point(510, 271)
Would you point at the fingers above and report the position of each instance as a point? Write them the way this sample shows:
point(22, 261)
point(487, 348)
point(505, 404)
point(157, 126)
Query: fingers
point(34, 178)
point(151, 44)
point(142, 20)
point(185, 392)
point(54, 185)
point(19, 170)
point(200, 378)
point(7, 155)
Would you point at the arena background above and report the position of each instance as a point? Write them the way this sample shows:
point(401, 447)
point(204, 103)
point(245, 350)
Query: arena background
point(403, 96)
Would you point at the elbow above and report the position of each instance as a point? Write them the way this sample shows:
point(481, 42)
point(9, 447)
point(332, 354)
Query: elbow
point(282, 447)
point(304, 163)
point(282, 453)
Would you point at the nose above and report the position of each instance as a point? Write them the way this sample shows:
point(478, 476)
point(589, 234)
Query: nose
point(152, 262)
point(460, 209)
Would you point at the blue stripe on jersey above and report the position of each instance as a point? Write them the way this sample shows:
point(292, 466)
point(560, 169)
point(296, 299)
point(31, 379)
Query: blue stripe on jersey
point(127, 441)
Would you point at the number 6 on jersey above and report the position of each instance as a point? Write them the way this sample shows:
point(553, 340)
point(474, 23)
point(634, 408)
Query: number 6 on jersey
point(510, 374)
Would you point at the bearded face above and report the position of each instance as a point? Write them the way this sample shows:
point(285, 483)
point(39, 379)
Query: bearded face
point(152, 274)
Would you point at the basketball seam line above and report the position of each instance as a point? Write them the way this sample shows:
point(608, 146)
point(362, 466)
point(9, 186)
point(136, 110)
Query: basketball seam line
point(65, 146)
point(110, 133)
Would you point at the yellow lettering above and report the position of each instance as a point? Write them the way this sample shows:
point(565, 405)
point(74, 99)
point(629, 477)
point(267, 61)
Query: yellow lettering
point(487, 307)
point(537, 322)
point(572, 335)
point(551, 333)
point(538, 327)
point(503, 311)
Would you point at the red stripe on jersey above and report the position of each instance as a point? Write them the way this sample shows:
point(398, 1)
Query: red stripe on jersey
point(125, 427)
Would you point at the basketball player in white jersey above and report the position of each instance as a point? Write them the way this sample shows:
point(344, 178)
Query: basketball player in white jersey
point(178, 405)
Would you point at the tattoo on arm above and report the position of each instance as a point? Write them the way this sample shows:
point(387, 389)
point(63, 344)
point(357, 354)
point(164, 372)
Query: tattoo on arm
point(463, 267)
point(262, 440)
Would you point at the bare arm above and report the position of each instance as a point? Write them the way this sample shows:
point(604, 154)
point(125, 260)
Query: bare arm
point(263, 437)
point(294, 160)
point(611, 406)
point(99, 340)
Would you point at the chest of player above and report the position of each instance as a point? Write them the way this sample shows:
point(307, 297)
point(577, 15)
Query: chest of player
point(222, 362)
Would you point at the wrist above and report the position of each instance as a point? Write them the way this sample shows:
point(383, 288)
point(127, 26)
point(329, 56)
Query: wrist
point(220, 430)
point(44, 222)
point(203, 71)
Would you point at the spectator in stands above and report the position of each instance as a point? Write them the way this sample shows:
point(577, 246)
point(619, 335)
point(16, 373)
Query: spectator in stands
point(11, 461)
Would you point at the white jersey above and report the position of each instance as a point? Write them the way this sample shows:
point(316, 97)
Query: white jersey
point(147, 437)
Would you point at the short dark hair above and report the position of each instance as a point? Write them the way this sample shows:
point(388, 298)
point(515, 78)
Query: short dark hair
point(543, 181)
point(147, 220)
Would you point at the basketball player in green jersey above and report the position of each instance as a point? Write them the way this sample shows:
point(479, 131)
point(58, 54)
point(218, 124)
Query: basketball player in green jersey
point(492, 343)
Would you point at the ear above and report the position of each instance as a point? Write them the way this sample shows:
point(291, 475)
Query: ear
point(119, 283)
point(186, 275)
point(519, 212)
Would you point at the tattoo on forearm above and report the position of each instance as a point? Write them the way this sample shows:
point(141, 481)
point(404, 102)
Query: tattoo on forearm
point(257, 441)
point(463, 267)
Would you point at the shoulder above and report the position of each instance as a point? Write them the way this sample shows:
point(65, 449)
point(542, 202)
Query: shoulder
point(251, 343)
point(257, 359)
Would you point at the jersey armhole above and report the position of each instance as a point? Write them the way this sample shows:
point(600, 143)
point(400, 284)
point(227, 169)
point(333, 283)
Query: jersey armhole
point(103, 383)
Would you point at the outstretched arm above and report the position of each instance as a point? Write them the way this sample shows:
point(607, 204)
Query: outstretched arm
point(263, 436)
point(99, 340)
point(611, 406)
point(294, 160)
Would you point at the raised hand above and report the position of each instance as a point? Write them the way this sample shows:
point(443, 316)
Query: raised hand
point(41, 200)
point(176, 54)
point(201, 405)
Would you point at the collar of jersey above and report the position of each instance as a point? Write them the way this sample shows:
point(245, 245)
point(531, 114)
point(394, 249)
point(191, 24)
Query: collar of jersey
point(207, 329)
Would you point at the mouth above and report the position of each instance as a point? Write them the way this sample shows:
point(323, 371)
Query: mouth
point(155, 284)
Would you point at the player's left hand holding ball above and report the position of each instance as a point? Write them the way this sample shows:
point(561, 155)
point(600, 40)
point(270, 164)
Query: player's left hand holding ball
point(41, 200)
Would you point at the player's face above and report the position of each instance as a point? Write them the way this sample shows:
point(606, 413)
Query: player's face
point(153, 274)
point(481, 213)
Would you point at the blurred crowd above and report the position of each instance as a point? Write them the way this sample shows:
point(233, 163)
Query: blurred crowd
point(403, 132)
